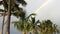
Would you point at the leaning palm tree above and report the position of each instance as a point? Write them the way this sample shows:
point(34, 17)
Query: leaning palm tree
point(3, 22)
point(22, 24)
point(3, 19)
point(11, 5)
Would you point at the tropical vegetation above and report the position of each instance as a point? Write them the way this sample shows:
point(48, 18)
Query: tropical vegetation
point(10, 6)
point(26, 23)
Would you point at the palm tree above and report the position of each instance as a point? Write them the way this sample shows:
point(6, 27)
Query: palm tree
point(22, 24)
point(9, 8)
point(47, 27)
point(43, 27)
point(55, 29)
point(3, 22)
point(3, 14)
point(33, 25)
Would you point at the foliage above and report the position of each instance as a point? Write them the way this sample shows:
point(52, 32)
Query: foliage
point(45, 27)
point(14, 6)
point(20, 25)
point(24, 24)
point(48, 27)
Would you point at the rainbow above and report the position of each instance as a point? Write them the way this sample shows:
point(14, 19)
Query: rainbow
point(44, 4)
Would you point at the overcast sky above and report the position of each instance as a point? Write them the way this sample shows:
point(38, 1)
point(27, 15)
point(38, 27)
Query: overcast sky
point(50, 11)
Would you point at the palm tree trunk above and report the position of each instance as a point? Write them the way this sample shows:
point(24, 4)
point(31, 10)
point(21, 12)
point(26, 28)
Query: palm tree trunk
point(25, 31)
point(8, 19)
point(3, 22)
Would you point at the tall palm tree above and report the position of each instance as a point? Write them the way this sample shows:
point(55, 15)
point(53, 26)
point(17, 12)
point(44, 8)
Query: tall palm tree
point(9, 8)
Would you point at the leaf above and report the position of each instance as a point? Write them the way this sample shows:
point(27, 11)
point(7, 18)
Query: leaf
point(22, 2)
point(1, 2)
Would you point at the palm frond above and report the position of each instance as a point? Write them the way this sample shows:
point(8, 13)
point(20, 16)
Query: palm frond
point(22, 2)
point(20, 26)
point(1, 10)
point(19, 13)
point(1, 2)
point(31, 15)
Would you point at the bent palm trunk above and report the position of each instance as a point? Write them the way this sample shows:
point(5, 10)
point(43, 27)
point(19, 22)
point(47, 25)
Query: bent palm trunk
point(3, 22)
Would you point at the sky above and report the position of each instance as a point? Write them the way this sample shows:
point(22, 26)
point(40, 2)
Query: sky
point(49, 11)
